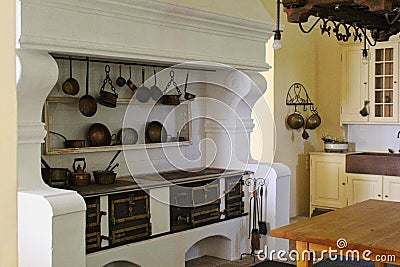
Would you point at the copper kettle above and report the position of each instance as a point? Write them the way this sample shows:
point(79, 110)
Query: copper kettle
point(79, 177)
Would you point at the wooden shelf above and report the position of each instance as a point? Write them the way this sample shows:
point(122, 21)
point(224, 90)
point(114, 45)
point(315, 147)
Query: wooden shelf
point(49, 150)
point(63, 151)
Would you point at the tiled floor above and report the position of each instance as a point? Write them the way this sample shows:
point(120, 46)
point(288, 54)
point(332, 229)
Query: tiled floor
point(216, 262)
point(208, 261)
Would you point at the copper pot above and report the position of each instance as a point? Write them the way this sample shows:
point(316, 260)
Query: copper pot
point(313, 121)
point(107, 99)
point(170, 99)
point(99, 135)
point(71, 143)
point(295, 120)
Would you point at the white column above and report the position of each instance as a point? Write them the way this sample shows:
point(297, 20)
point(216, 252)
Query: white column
point(51, 222)
point(231, 97)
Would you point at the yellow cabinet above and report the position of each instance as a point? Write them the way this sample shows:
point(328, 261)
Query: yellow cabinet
point(327, 181)
point(366, 186)
point(383, 83)
point(376, 82)
point(391, 188)
point(354, 89)
point(363, 186)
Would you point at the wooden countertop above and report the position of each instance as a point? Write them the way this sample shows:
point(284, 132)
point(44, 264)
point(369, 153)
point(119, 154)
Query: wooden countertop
point(370, 225)
point(155, 180)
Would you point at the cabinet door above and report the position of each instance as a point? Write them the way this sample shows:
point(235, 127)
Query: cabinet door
point(384, 84)
point(391, 188)
point(354, 85)
point(327, 181)
point(363, 186)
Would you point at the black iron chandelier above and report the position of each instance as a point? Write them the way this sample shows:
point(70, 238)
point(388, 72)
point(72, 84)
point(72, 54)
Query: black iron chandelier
point(367, 21)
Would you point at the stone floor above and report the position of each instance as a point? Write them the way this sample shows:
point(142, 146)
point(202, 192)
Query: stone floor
point(208, 261)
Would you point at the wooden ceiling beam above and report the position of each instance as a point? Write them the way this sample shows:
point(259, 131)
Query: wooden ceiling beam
point(367, 14)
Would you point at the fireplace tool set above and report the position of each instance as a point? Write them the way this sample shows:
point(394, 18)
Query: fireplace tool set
point(256, 215)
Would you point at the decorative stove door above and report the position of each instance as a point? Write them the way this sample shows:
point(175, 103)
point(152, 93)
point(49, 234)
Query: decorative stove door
point(234, 205)
point(129, 217)
point(93, 219)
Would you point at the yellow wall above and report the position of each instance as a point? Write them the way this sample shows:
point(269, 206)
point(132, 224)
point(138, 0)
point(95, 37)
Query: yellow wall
point(329, 85)
point(8, 140)
point(314, 61)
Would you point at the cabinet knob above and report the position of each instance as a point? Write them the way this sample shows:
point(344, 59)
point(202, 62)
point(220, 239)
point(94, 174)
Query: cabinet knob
point(395, 82)
point(343, 183)
point(386, 196)
point(379, 195)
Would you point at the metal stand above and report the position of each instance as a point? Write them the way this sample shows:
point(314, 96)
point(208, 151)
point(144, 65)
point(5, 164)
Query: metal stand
point(254, 233)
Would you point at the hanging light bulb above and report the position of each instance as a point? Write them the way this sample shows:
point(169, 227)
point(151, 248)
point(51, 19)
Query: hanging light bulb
point(365, 52)
point(277, 36)
point(365, 56)
point(277, 40)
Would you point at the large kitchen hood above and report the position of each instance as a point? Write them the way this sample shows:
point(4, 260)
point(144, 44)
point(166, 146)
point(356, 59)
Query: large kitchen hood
point(225, 32)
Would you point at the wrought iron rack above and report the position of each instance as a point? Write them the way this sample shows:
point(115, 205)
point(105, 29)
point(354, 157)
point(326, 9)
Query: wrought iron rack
point(297, 96)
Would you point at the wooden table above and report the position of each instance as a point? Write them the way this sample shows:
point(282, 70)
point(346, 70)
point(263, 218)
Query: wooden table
point(372, 225)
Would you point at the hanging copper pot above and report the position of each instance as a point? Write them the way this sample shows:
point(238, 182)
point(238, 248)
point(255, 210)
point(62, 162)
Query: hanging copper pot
point(108, 99)
point(314, 120)
point(295, 120)
point(71, 85)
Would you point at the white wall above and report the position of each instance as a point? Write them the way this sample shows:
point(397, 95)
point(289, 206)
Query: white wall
point(8, 141)
point(374, 137)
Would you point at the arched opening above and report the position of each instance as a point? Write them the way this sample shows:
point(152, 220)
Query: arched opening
point(215, 246)
point(121, 264)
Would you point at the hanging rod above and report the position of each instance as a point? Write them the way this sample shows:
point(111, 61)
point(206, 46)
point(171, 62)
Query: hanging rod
point(127, 63)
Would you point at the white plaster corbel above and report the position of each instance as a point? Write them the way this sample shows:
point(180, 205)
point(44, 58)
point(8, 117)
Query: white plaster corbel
point(37, 73)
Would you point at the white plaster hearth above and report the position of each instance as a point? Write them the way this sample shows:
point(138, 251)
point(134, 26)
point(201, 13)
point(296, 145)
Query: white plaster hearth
point(52, 221)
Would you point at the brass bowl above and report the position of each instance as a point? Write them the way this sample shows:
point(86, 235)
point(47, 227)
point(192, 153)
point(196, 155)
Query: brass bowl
point(155, 132)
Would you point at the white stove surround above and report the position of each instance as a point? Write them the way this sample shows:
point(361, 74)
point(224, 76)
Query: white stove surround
point(52, 221)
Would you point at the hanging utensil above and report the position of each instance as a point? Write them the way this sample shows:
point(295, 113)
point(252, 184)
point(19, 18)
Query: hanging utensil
point(113, 159)
point(305, 135)
point(108, 99)
point(143, 92)
point(87, 103)
point(120, 80)
point(364, 111)
point(262, 225)
point(155, 91)
point(255, 234)
point(295, 120)
point(188, 96)
point(314, 120)
point(115, 166)
point(171, 99)
point(130, 83)
point(70, 86)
